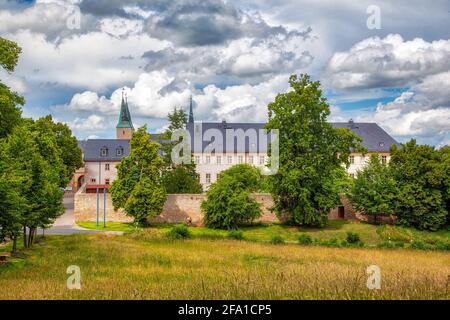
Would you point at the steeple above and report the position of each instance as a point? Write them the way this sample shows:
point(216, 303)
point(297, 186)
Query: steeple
point(191, 112)
point(124, 128)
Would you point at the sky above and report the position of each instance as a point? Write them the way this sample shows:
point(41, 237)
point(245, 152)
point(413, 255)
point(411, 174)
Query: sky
point(378, 61)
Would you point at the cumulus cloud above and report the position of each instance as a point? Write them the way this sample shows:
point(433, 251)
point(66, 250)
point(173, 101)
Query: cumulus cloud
point(388, 62)
point(154, 95)
point(422, 112)
point(90, 124)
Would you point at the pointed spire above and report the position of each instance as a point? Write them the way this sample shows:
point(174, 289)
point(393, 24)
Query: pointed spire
point(191, 112)
point(125, 116)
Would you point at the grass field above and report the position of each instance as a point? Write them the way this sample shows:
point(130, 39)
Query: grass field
point(146, 265)
point(371, 235)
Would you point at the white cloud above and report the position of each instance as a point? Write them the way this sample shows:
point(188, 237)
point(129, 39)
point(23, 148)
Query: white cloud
point(386, 62)
point(89, 124)
point(152, 96)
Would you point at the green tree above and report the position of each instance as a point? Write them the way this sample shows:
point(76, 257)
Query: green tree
point(138, 188)
point(421, 175)
point(10, 112)
point(228, 202)
point(312, 154)
point(69, 154)
point(177, 178)
point(181, 180)
point(374, 189)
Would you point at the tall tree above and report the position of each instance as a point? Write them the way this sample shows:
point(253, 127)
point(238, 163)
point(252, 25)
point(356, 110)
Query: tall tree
point(421, 175)
point(138, 188)
point(312, 154)
point(10, 112)
point(177, 178)
point(374, 189)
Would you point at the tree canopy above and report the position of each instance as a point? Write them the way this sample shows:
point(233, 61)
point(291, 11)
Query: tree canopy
point(138, 188)
point(312, 154)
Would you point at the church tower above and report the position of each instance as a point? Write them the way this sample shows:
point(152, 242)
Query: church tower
point(124, 128)
point(191, 112)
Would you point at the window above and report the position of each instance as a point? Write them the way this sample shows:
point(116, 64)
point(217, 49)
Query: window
point(262, 160)
point(107, 181)
point(250, 159)
point(208, 178)
point(197, 159)
point(208, 159)
point(217, 176)
point(104, 152)
point(381, 144)
point(383, 159)
point(352, 159)
point(106, 166)
point(230, 159)
point(352, 175)
point(240, 159)
point(93, 180)
point(119, 151)
point(219, 160)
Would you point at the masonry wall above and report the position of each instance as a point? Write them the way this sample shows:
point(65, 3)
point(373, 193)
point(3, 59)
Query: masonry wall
point(178, 208)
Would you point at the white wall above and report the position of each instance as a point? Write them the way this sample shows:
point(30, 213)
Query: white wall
point(97, 170)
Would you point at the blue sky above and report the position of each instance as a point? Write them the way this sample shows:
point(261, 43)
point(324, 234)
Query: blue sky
point(233, 57)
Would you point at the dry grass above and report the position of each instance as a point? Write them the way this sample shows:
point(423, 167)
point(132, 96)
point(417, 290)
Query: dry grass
point(145, 265)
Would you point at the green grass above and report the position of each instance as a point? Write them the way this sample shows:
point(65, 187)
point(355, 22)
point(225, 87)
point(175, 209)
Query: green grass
point(371, 235)
point(145, 264)
point(110, 226)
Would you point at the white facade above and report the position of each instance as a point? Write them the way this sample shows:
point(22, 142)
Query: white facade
point(100, 172)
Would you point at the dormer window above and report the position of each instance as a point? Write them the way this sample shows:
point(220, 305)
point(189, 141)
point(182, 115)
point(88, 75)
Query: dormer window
point(119, 151)
point(104, 152)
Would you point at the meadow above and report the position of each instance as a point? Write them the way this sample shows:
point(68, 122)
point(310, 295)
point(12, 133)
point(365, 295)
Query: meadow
point(145, 264)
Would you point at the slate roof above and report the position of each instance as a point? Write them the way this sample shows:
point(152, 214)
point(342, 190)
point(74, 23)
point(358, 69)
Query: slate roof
point(94, 146)
point(375, 139)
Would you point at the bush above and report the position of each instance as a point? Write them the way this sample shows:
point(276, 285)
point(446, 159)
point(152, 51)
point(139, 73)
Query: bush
point(442, 245)
point(236, 235)
point(229, 204)
point(277, 240)
point(305, 239)
point(180, 231)
point(353, 237)
point(420, 245)
point(333, 242)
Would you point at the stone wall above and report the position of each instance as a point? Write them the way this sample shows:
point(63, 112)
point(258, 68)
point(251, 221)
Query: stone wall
point(178, 208)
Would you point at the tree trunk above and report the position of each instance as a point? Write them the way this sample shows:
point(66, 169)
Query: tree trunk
point(25, 243)
point(14, 247)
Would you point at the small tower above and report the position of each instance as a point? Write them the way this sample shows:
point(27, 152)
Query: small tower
point(191, 112)
point(124, 128)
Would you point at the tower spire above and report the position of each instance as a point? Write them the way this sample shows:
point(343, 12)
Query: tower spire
point(191, 112)
point(124, 128)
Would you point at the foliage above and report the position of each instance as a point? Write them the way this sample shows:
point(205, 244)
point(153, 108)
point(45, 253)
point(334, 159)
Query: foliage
point(236, 235)
point(10, 112)
point(353, 237)
point(181, 179)
point(421, 173)
point(228, 202)
point(374, 189)
point(277, 240)
point(180, 231)
point(305, 238)
point(312, 154)
point(138, 188)
point(244, 174)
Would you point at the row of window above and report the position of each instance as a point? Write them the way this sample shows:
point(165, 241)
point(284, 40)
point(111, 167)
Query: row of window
point(104, 151)
point(94, 181)
point(352, 159)
point(261, 160)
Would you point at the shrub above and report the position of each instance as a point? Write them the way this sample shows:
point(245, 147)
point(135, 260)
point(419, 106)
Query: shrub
point(305, 238)
point(236, 235)
point(420, 245)
point(180, 231)
point(333, 242)
point(277, 240)
point(229, 204)
point(442, 245)
point(353, 237)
